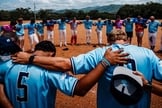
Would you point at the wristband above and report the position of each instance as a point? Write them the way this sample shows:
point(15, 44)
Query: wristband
point(31, 58)
point(105, 63)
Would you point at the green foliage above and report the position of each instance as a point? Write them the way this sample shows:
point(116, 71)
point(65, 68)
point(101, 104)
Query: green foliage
point(104, 12)
point(145, 10)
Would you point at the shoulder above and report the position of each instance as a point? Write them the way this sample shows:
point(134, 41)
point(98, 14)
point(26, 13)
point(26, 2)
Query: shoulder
point(4, 66)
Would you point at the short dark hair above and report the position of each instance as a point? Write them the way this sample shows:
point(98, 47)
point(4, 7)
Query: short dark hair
point(46, 46)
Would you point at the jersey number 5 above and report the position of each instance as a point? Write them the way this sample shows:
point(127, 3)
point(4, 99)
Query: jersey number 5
point(22, 87)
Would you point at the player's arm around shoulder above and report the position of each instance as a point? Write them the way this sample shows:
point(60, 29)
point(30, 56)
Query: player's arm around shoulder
point(52, 63)
point(90, 79)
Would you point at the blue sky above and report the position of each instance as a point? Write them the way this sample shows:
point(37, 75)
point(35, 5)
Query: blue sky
point(64, 4)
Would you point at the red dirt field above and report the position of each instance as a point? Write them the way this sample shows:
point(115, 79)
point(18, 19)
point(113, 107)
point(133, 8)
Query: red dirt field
point(89, 101)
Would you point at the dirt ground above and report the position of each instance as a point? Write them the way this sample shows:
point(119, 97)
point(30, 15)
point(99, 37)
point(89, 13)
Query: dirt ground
point(89, 101)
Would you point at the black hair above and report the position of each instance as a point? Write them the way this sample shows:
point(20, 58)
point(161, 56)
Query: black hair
point(46, 46)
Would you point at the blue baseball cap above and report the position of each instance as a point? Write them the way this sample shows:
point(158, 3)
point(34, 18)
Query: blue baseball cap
point(8, 46)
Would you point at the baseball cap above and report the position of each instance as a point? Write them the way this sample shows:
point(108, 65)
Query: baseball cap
point(126, 87)
point(8, 46)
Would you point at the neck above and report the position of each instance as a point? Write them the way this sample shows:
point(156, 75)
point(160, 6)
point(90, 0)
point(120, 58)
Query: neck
point(121, 42)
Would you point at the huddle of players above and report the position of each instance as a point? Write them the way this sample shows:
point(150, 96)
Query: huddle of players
point(128, 23)
point(24, 81)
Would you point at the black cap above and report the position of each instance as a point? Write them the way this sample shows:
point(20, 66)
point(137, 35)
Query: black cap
point(8, 46)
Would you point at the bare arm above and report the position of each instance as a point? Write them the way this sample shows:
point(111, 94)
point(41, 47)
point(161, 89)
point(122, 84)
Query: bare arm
point(157, 88)
point(4, 102)
point(52, 63)
point(64, 64)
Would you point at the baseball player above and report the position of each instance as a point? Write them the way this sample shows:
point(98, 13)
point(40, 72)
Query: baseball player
point(73, 25)
point(40, 29)
point(146, 62)
point(128, 23)
point(139, 29)
point(109, 27)
point(62, 31)
point(50, 29)
point(20, 32)
point(88, 28)
point(152, 29)
point(118, 22)
point(33, 38)
point(30, 86)
point(99, 25)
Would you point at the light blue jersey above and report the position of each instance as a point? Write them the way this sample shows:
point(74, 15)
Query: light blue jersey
point(88, 24)
point(99, 25)
point(109, 26)
point(40, 27)
point(128, 25)
point(31, 28)
point(62, 24)
point(146, 62)
point(153, 26)
point(20, 29)
point(34, 87)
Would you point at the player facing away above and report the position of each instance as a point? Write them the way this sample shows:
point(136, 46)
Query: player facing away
point(139, 29)
point(30, 86)
point(73, 25)
point(145, 62)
